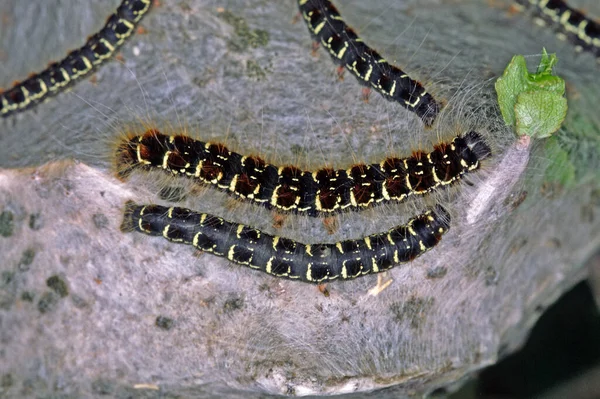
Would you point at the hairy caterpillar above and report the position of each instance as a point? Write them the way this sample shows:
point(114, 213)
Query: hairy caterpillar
point(582, 31)
point(78, 63)
point(282, 257)
point(366, 64)
point(287, 188)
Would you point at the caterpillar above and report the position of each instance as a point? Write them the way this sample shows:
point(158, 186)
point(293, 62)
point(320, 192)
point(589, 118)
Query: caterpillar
point(58, 76)
point(289, 189)
point(573, 24)
point(367, 65)
point(283, 257)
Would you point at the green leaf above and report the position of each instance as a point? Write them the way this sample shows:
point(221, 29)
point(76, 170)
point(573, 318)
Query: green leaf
point(539, 114)
point(533, 103)
point(510, 85)
point(547, 62)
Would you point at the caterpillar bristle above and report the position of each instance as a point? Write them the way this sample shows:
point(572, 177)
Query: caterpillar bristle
point(127, 225)
point(321, 192)
point(477, 145)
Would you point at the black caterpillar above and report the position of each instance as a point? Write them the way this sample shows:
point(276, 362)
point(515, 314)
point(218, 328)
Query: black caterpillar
point(282, 257)
point(78, 63)
point(573, 24)
point(370, 68)
point(288, 188)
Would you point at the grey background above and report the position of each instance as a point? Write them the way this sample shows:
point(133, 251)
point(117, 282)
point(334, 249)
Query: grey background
point(242, 72)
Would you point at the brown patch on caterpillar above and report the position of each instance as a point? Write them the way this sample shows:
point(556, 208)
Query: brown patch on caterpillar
point(323, 290)
point(231, 204)
point(514, 9)
point(58, 76)
point(314, 53)
point(339, 71)
point(366, 94)
point(278, 220)
point(367, 65)
point(286, 258)
point(322, 192)
point(198, 253)
point(331, 224)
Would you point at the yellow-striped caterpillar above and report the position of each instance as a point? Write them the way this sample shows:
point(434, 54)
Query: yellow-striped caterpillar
point(282, 257)
point(370, 68)
point(287, 188)
point(573, 24)
point(78, 63)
